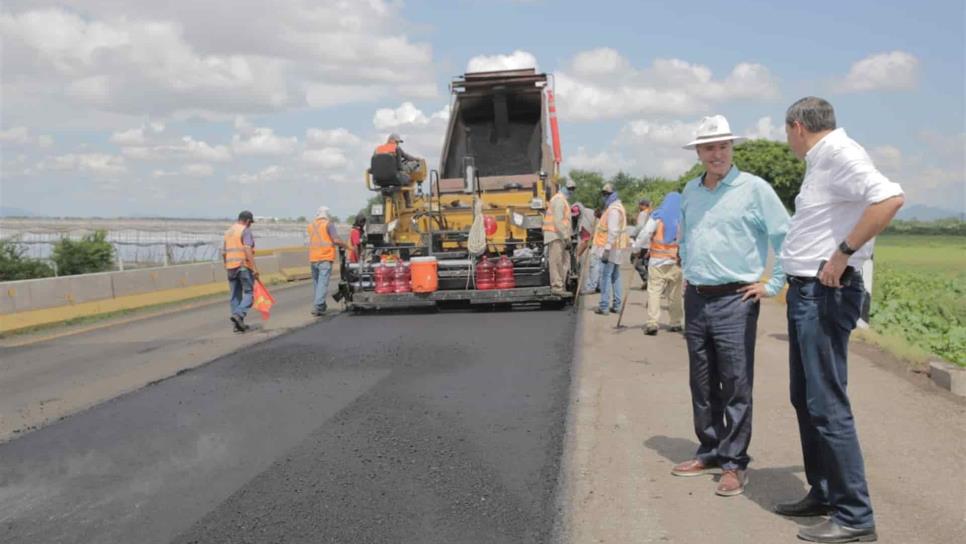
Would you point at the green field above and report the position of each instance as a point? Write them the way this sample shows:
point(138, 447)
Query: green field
point(919, 292)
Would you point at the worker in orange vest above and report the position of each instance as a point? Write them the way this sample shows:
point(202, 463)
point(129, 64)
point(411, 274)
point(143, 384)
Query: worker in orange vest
point(611, 243)
point(391, 165)
point(323, 239)
point(664, 266)
point(557, 231)
point(238, 254)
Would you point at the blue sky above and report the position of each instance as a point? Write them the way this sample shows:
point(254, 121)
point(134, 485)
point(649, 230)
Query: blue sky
point(196, 108)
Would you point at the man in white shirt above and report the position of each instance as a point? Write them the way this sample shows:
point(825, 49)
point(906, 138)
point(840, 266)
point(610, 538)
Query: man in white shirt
point(844, 202)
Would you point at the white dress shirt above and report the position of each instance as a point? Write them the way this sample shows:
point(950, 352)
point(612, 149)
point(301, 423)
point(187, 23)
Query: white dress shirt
point(840, 183)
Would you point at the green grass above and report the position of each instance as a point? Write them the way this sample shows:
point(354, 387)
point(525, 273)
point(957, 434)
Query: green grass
point(919, 292)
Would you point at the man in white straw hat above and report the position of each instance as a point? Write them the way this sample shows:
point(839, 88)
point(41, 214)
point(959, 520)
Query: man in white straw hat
point(729, 219)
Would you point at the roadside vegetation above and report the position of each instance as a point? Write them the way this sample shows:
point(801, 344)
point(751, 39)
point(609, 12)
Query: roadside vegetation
point(92, 253)
point(919, 291)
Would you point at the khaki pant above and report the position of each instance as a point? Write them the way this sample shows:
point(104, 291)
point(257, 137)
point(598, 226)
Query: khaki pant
point(559, 264)
point(661, 279)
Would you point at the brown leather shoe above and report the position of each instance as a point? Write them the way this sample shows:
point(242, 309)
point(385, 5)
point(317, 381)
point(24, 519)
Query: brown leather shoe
point(693, 467)
point(732, 483)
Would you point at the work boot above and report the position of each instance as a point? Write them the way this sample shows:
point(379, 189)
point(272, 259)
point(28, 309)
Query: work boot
point(831, 531)
point(239, 323)
point(807, 507)
point(692, 467)
point(598, 311)
point(732, 483)
point(675, 328)
point(559, 291)
point(615, 310)
point(651, 330)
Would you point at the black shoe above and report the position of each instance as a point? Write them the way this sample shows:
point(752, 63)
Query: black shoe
point(807, 507)
point(239, 323)
point(598, 311)
point(675, 328)
point(615, 310)
point(830, 531)
point(651, 331)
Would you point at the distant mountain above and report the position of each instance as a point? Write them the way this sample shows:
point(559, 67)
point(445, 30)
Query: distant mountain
point(15, 212)
point(926, 213)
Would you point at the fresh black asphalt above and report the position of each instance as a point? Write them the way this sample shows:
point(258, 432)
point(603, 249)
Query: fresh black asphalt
point(396, 428)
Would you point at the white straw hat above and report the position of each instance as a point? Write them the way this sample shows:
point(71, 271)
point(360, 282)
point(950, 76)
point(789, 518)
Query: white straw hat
point(713, 129)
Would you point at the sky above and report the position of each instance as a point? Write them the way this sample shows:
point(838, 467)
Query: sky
point(200, 108)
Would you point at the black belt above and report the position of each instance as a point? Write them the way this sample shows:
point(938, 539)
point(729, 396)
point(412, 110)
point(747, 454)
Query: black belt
point(716, 290)
point(846, 279)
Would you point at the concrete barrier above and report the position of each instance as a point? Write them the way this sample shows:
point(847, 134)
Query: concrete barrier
point(28, 303)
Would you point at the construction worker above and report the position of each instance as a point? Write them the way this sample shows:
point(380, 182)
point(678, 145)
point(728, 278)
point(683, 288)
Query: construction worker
point(664, 268)
point(323, 240)
point(610, 243)
point(238, 254)
point(557, 231)
point(391, 165)
point(643, 213)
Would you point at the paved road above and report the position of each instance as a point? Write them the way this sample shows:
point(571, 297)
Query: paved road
point(42, 381)
point(398, 428)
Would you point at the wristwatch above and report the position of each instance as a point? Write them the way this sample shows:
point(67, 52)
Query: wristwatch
point(844, 248)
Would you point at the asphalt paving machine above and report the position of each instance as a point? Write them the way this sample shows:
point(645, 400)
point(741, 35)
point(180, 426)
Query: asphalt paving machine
point(474, 235)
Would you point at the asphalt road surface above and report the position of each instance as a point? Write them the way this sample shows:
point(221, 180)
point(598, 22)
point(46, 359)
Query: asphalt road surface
point(393, 428)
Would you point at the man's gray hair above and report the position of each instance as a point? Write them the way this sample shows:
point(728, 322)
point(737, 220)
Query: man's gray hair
point(814, 113)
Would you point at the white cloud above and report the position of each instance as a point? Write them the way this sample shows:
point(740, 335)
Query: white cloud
point(99, 164)
point(269, 174)
point(896, 70)
point(21, 135)
point(887, 158)
point(333, 137)
point(406, 114)
point(214, 58)
point(136, 136)
point(599, 62)
point(673, 134)
point(263, 141)
point(765, 129)
point(936, 177)
point(198, 170)
point(514, 61)
point(602, 84)
point(186, 149)
point(328, 158)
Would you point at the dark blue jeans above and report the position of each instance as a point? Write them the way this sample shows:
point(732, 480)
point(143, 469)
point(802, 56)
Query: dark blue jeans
point(820, 320)
point(240, 285)
point(720, 332)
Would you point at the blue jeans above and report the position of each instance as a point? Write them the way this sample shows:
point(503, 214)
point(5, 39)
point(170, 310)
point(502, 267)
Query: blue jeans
point(720, 333)
point(820, 320)
point(592, 279)
point(240, 286)
point(321, 270)
point(610, 277)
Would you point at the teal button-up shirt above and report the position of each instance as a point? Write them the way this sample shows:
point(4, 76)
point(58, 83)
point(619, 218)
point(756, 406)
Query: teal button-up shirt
point(725, 233)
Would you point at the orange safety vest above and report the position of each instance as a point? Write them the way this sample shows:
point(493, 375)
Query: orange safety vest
point(659, 249)
point(321, 247)
point(386, 148)
point(548, 225)
point(234, 248)
point(600, 234)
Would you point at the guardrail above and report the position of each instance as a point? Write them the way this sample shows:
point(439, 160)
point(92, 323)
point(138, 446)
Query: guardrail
point(29, 303)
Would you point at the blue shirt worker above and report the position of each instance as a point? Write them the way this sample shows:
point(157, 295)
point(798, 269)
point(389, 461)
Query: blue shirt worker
point(238, 254)
point(843, 203)
point(728, 220)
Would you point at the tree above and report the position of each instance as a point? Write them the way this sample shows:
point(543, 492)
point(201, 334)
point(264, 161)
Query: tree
point(92, 253)
point(14, 265)
point(772, 161)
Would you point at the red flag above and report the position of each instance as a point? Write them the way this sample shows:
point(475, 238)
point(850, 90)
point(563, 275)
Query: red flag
point(263, 300)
